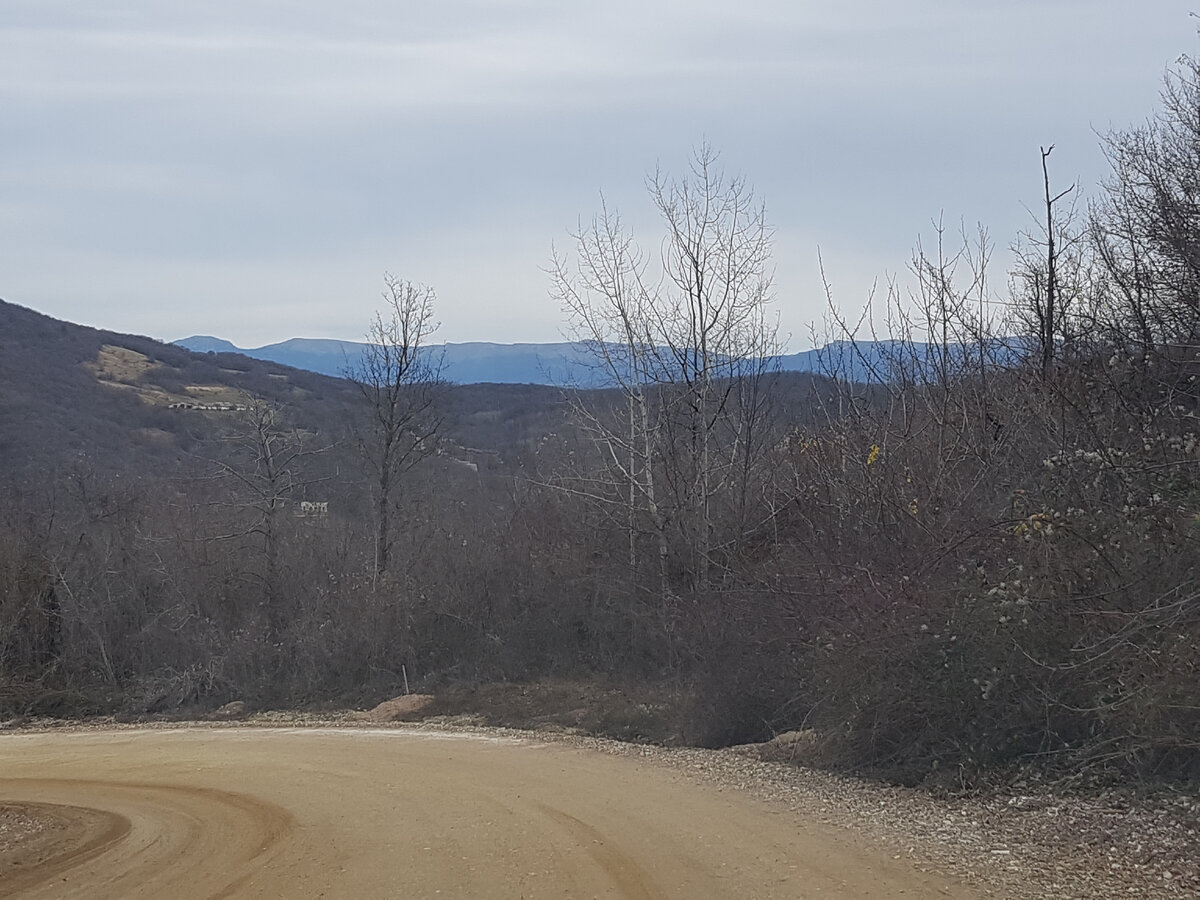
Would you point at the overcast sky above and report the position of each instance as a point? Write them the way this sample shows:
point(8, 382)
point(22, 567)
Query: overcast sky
point(251, 168)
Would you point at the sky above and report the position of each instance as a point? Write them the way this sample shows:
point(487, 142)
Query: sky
point(251, 169)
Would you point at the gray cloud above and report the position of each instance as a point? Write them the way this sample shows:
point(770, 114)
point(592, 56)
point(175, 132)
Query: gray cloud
point(251, 168)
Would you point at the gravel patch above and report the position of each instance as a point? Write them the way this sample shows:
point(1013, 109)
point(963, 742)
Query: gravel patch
point(18, 826)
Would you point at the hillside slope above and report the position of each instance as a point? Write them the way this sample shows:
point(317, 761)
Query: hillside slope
point(74, 394)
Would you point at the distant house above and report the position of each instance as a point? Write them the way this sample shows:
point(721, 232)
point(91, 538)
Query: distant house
point(308, 509)
point(208, 407)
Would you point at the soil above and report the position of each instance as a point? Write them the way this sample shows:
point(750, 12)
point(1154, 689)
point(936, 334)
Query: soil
point(392, 812)
point(321, 804)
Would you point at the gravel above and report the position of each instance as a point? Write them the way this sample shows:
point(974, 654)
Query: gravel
point(18, 825)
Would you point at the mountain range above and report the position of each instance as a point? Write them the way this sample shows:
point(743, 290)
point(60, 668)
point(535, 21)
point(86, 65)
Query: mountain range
point(546, 364)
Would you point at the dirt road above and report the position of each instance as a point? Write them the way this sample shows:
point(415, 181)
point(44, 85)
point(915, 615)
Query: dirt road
point(320, 812)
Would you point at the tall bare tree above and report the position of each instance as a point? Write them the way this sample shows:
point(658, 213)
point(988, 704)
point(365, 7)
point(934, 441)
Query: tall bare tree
point(262, 460)
point(398, 376)
point(1047, 280)
point(688, 339)
point(1146, 226)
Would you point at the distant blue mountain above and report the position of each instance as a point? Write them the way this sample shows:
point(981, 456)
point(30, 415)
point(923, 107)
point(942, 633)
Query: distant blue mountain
point(202, 343)
point(572, 363)
point(469, 363)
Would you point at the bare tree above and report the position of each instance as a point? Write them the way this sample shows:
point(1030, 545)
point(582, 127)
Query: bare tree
point(687, 340)
point(262, 460)
point(1146, 227)
point(398, 376)
point(1047, 280)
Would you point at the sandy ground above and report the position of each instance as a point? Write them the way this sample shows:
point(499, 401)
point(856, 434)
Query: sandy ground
point(317, 812)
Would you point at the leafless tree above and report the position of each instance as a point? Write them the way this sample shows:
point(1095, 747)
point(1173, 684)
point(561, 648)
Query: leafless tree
point(687, 338)
point(398, 377)
point(1146, 226)
point(1047, 282)
point(262, 458)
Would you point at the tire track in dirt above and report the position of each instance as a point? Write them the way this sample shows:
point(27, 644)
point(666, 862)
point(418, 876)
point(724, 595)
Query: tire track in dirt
point(630, 878)
point(161, 840)
point(65, 836)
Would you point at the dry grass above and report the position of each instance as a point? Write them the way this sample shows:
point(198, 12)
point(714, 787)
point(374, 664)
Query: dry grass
point(125, 369)
point(120, 364)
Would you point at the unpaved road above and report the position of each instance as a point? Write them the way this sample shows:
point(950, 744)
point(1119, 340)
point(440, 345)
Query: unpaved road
point(360, 813)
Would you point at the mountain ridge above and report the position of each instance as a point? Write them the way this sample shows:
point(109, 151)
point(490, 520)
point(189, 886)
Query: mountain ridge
point(562, 363)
